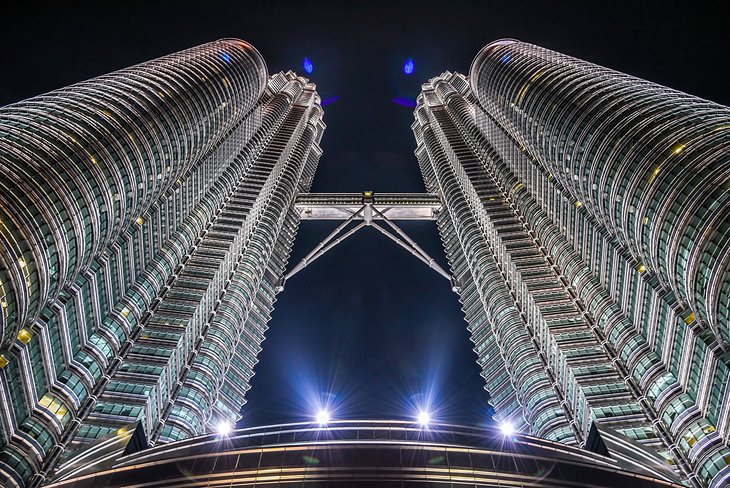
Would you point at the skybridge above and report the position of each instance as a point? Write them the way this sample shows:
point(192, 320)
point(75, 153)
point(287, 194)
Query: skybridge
point(368, 209)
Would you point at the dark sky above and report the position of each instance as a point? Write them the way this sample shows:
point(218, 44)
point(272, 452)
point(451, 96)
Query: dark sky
point(367, 328)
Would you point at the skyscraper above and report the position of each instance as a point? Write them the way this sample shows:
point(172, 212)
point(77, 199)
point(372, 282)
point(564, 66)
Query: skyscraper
point(586, 218)
point(146, 218)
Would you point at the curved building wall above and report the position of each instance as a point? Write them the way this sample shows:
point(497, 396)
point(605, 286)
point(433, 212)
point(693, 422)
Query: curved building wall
point(84, 162)
point(651, 164)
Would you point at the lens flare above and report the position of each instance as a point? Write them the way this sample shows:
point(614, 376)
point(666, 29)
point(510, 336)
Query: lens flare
point(424, 418)
point(409, 67)
point(406, 102)
point(327, 101)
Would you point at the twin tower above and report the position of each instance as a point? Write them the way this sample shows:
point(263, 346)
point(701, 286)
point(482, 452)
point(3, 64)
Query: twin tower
point(147, 216)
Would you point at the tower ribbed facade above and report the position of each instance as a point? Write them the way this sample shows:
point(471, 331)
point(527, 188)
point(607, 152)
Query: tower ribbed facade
point(587, 220)
point(146, 217)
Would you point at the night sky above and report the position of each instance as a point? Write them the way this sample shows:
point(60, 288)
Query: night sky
point(367, 329)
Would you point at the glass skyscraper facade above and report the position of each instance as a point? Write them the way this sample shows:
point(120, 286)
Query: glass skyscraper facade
point(145, 218)
point(587, 220)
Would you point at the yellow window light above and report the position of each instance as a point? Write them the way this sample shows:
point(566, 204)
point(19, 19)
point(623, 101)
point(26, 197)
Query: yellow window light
point(654, 173)
point(3, 361)
point(140, 220)
point(690, 318)
point(125, 312)
point(578, 204)
point(679, 148)
point(526, 86)
point(641, 268)
point(24, 336)
point(22, 262)
point(646, 220)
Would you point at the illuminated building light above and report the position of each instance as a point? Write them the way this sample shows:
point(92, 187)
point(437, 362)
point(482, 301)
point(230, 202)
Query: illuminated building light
point(690, 318)
point(679, 148)
point(533, 79)
point(224, 428)
point(654, 173)
point(507, 429)
point(24, 336)
point(323, 417)
point(578, 204)
point(140, 220)
point(3, 361)
point(125, 312)
point(641, 268)
point(22, 262)
point(308, 66)
point(424, 418)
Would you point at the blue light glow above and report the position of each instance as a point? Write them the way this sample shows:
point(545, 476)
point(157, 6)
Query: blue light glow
point(308, 66)
point(409, 67)
point(225, 56)
point(327, 101)
point(406, 102)
point(506, 57)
